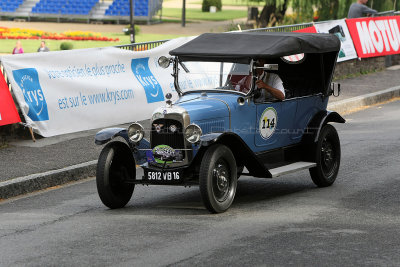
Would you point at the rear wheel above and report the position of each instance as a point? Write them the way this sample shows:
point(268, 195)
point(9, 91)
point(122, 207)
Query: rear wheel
point(114, 168)
point(327, 157)
point(218, 178)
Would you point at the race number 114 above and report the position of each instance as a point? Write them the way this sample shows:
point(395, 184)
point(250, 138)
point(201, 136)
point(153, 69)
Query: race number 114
point(270, 123)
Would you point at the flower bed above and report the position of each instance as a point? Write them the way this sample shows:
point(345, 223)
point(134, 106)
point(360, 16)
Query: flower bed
point(17, 33)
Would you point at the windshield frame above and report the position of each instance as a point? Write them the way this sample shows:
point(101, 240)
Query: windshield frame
point(176, 69)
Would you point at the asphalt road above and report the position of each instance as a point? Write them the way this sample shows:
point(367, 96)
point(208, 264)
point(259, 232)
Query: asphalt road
point(287, 221)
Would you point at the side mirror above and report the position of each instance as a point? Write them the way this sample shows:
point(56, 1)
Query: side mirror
point(269, 67)
point(164, 62)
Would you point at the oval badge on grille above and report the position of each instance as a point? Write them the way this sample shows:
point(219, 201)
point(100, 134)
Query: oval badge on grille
point(166, 154)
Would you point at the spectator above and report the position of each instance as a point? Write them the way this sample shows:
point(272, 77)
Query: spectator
point(18, 48)
point(43, 47)
point(359, 9)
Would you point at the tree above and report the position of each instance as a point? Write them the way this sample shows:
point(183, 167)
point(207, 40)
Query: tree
point(272, 13)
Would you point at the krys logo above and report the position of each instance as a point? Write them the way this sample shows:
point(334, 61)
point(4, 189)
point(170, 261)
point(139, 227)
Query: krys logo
point(141, 70)
point(28, 81)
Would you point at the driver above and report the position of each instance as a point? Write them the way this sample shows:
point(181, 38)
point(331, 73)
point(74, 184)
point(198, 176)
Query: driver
point(269, 84)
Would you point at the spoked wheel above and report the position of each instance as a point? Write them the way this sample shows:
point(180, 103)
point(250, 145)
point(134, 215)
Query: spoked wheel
point(327, 157)
point(114, 168)
point(218, 178)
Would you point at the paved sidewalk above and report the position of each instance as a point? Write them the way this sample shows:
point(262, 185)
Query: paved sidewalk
point(27, 166)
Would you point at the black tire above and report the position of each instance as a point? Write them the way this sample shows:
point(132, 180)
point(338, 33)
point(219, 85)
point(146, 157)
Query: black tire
point(327, 157)
point(114, 167)
point(218, 178)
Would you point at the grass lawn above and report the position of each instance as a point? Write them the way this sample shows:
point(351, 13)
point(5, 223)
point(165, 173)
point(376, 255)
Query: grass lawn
point(197, 14)
point(29, 46)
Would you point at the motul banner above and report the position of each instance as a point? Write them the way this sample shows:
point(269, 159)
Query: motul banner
point(8, 111)
point(373, 37)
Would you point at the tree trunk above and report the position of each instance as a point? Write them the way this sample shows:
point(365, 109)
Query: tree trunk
point(272, 14)
point(267, 12)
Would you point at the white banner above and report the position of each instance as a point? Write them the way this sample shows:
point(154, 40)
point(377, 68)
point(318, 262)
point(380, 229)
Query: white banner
point(70, 91)
point(339, 28)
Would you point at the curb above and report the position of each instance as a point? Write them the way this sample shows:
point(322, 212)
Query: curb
point(39, 181)
point(346, 106)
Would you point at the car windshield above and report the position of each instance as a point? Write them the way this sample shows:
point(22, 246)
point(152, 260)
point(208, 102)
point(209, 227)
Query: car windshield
point(216, 76)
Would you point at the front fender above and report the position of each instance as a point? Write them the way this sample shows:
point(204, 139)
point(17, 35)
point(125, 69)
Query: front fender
point(105, 135)
point(138, 149)
point(209, 139)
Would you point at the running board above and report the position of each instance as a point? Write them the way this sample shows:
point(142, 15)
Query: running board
point(297, 166)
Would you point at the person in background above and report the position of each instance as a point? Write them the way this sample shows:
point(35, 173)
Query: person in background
point(18, 48)
point(359, 9)
point(43, 47)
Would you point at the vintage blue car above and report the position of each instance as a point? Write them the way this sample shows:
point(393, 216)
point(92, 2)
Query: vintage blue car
point(223, 124)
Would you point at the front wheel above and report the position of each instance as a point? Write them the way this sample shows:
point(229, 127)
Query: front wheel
point(327, 157)
point(114, 168)
point(218, 178)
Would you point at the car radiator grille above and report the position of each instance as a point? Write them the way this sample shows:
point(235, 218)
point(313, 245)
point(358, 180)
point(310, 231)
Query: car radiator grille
point(165, 136)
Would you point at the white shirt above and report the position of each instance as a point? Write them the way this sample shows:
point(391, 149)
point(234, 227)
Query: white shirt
point(272, 80)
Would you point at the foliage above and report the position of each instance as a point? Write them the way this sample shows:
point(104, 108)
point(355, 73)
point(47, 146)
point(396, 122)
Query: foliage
point(205, 7)
point(322, 10)
point(66, 46)
point(383, 5)
point(17, 33)
point(197, 14)
point(137, 30)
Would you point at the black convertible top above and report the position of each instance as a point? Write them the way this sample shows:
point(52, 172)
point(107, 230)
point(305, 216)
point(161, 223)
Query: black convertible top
point(241, 47)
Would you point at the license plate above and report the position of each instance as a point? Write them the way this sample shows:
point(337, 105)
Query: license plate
point(163, 177)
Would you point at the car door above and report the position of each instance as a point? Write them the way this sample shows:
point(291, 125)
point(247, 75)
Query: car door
point(274, 121)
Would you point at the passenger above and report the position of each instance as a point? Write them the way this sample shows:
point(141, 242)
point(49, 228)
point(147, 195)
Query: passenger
point(244, 84)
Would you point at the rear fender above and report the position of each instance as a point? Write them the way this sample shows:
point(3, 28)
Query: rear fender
point(317, 122)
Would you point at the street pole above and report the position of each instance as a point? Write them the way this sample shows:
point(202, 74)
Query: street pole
point(132, 26)
point(183, 13)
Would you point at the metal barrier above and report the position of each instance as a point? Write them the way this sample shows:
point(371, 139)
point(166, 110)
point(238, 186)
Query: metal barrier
point(386, 13)
point(142, 46)
point(284, 28)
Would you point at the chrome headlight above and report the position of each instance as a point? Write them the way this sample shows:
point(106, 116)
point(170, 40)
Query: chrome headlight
point(193, 133)
point(164, 62)
point(135, 132)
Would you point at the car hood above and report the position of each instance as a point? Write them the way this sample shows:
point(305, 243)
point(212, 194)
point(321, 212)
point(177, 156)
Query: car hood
point(204, 107)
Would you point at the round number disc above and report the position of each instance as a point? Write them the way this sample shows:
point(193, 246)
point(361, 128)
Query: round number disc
point(268, 122)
